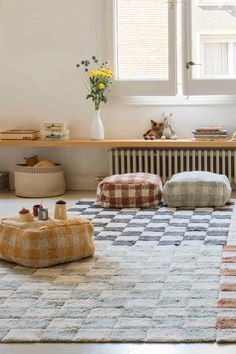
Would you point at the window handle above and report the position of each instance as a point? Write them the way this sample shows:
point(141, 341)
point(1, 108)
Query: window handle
point(191, 63)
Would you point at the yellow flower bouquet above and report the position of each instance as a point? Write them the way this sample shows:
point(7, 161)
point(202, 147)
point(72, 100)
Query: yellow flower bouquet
point(97, 80)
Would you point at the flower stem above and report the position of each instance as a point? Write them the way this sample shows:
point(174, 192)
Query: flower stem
point(97, 103)
point(85, 84)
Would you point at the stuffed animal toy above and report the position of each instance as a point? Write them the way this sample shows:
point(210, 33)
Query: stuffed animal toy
point(31, 161)
point(168, 132)
point(44, 164)
point(155, 132)
point(234, 136)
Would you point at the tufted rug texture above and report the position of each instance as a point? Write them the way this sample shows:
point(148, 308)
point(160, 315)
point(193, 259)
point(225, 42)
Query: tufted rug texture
point(154, 278)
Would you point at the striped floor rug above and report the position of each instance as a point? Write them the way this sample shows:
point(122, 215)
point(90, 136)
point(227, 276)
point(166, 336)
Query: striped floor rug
point(226, 321)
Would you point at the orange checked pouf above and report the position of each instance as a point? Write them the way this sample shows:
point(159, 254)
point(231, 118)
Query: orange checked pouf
point(130, 190)
point(45, 243)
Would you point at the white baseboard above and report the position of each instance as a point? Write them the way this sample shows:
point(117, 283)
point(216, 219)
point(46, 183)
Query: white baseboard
point(82, 181)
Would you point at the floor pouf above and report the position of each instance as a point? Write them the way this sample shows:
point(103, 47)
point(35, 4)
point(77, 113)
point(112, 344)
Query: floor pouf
point(130, 190)
point(197, 189)
point(45, 243)
point(36, 182)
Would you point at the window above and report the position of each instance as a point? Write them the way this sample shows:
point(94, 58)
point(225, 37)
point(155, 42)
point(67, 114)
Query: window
point(143, 42)
point(210, 42)
point(161, 46)
point(144, 53)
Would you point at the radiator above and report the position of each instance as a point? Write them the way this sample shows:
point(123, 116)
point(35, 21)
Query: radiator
point(166, 162)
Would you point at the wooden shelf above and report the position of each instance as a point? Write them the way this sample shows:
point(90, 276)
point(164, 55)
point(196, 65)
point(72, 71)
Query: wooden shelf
point(121, 143)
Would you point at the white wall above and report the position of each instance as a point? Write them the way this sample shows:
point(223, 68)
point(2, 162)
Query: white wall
point(40, 43)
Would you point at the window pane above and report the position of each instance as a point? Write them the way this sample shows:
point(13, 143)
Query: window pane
point(142, 39)
point(213, 30)
point(216, 2)
point(214, 59)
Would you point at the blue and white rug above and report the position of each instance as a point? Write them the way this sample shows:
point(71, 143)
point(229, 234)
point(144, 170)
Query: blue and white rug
point(154, 278)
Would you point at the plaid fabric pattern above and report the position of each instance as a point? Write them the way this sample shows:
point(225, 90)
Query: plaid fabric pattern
point(45, 243)
point(197, 189)
point(130, 190)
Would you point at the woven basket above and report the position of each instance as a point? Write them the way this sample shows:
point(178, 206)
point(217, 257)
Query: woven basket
point(33, 182)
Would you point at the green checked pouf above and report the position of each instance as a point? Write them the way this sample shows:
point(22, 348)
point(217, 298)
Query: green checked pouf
point(197, 189)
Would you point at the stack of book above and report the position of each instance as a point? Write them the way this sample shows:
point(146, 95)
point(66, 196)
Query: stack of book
point(19, 134)
point(54, 131)
point(210, 134)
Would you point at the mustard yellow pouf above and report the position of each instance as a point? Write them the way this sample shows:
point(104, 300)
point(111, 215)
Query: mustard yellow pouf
point(45, 243)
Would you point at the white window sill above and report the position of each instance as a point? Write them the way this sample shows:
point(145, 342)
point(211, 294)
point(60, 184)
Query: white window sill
point(173, 100)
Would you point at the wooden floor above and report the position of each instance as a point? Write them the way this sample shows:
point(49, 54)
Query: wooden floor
point(10, 204)
point(117, 349)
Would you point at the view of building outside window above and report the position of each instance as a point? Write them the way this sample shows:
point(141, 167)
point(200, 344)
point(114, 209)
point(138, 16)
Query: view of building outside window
point(214, 38)
point(142, 37)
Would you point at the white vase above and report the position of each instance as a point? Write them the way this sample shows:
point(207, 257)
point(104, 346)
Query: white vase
point(97, 129)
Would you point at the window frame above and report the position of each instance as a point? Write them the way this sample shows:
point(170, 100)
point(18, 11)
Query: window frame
point(223, 90)
point(150, 87)
point(199, 86)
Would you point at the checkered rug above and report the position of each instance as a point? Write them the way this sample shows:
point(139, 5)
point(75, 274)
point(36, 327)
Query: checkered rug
point(226, 315)
point(154, 278)
point(162, 226)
